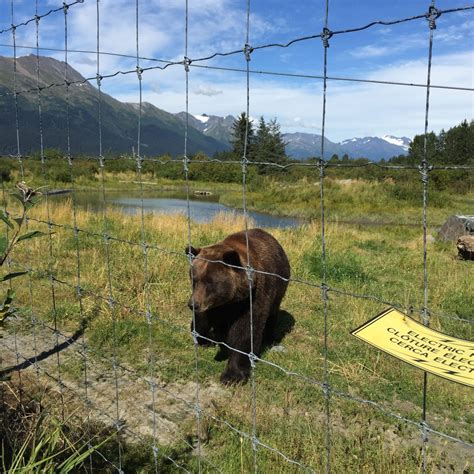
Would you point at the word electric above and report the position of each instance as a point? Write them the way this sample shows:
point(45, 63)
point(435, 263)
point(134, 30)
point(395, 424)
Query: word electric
point(432, 351)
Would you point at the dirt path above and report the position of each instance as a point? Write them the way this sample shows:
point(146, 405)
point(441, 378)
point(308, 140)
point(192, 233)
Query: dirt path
point(168, 415)
point(111, 396)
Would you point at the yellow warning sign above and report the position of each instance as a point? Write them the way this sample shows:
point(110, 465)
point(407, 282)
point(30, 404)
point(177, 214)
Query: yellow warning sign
point(429, 350)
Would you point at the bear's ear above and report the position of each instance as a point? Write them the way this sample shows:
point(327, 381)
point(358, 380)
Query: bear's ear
point(191, 250)
point(232, 257)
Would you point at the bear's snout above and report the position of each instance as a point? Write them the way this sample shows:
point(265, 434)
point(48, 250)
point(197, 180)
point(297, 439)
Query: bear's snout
point(196, 305)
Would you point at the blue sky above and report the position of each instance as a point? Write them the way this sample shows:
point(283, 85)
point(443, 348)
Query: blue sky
point(395, 53)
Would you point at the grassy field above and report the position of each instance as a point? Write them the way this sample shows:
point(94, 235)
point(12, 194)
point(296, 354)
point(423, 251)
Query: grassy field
point(383, 260)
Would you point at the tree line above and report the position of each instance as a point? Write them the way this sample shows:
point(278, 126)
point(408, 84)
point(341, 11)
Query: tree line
point(452, 147)
point(265, 144)
point(262, 143)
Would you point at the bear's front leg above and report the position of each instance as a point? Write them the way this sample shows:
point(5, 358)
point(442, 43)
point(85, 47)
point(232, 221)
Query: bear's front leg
point(238, 365)
point(203, 328)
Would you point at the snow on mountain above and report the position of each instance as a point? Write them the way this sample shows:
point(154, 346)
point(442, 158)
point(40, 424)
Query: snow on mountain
point(303, 145)
point(375, 148)
point(213, 126)
point(202, 118)
point(348, 141)
point(404, 142)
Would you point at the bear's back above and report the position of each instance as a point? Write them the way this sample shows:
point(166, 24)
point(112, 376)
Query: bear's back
point(266, 254)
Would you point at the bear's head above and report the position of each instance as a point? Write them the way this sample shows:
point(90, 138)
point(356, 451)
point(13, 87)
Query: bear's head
point(216, 282)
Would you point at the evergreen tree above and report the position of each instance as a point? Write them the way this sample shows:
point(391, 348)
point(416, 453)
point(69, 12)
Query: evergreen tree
point(269, 144)
point(441, 143)
point(455, 146)
point(277, 148)
point(416, 150)
point(458, 144)
point(262, 141)
point(237, 140)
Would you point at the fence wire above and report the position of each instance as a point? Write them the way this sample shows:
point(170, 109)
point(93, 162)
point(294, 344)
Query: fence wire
point(424, 170)
point(407, 308)
point(194, 332)
point(269, 164)
point(191, 62)
point(81, 347)
point(235, 69)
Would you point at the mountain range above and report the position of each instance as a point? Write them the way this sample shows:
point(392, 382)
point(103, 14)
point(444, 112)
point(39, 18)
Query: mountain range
point(161, 132)
point(303, 145)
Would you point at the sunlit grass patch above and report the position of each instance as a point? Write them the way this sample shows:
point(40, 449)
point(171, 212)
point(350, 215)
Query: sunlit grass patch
point(117, 295)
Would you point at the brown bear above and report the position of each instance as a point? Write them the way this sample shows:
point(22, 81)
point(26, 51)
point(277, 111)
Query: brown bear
point(221, 295)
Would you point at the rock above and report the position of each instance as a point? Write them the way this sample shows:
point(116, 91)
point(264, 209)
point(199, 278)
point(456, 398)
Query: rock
point(455, 227)
point(465, 247)
point(278, 349)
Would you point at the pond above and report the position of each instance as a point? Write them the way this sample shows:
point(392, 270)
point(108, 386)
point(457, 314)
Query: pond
point(202, 208)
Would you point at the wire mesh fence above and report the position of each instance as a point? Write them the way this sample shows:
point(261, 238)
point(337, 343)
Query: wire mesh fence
point(143, 379)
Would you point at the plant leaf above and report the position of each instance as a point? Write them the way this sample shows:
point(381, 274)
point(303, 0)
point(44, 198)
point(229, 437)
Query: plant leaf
point(30, 235)
point(19, 197)
point(8, 299)
point(12, 275)
point(6, 313)
point(5, 307)
point(33, 202)
point(5, 219)
point(3, 244)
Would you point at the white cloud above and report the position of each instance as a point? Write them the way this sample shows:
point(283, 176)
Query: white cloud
point(389, 48)
point(370, 51)
point(155, 87)
point(207, 90)
point(219, 25)
point(448, 35)
point(87, 60)
point(352, 109)
point(378, 109)
point(452, 34)
point(214, 25)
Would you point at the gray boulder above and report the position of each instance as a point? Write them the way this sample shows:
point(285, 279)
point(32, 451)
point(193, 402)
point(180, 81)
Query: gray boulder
point(456, 226)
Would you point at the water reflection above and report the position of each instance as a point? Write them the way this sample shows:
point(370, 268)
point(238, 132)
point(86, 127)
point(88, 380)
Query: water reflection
point(203, 209)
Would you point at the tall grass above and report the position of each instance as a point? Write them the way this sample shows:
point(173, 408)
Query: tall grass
point(34, 439)
point(361, 200)
point(385, 261)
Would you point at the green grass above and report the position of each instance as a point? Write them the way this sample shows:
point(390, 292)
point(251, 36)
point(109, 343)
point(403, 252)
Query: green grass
point(394, 198)
point(385, 261)
point(353, 200)
point(337, 269)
